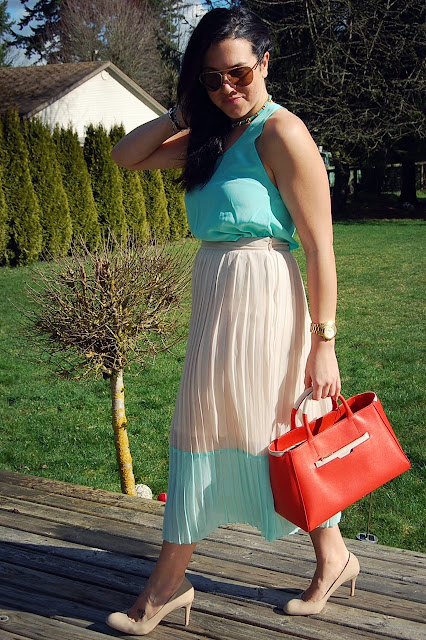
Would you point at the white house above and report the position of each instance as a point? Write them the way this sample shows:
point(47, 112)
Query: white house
point(79, 93)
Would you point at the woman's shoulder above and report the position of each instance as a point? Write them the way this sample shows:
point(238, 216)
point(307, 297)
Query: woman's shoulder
point(284, 132)
point(285, 125)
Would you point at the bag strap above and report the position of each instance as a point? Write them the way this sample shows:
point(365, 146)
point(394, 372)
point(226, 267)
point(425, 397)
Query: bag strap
point(306, 397)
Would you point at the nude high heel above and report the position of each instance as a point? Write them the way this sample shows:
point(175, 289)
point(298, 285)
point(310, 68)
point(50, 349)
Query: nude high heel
point(299, 607)
point(183, 597)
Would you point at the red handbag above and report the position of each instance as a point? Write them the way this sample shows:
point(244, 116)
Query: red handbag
point(323, 466)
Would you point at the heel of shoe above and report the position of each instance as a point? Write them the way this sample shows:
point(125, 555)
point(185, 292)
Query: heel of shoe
point(187, 612)
point(353, 582)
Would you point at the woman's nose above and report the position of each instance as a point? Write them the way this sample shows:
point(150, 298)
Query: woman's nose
point(226, 82)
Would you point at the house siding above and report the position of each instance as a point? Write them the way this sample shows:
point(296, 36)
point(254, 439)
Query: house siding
point(99, 100)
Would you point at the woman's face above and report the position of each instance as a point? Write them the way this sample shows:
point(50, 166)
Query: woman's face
point(237, 102)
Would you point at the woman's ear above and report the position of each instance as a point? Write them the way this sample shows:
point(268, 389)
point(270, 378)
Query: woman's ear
point(264, 65)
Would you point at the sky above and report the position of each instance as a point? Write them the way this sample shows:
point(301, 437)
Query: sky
point(16, 9)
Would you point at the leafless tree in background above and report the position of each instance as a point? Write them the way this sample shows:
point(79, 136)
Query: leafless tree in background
point(122, 31)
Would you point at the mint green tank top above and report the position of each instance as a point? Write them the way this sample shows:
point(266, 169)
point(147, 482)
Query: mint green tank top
point(240, 201)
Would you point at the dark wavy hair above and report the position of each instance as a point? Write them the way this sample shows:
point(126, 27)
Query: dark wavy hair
point(208, 123)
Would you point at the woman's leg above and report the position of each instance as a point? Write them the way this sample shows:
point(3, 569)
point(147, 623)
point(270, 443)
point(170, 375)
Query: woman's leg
point(331, 554)
point(164, 581)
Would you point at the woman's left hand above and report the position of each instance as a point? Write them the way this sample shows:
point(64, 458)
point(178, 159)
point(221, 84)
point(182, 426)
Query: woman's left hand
point(322, 370)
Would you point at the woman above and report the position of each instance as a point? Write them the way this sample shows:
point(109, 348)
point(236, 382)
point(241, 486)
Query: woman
point(252, 174)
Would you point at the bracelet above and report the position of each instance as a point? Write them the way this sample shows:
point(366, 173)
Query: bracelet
point(173, 117)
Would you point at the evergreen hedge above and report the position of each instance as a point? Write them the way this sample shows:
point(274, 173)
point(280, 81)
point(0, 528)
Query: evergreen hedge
point(76, 181)
point(4, 228)
point(25, 232)
point(133, 196)
point(156, 204)
point(105, 179)
point(175, 203)
point(47, 182)
point(52, 191)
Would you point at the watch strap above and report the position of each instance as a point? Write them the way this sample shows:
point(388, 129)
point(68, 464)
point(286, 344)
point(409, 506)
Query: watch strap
point(327, 330)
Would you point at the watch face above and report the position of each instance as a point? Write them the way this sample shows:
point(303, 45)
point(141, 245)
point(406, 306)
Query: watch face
point(329, 333)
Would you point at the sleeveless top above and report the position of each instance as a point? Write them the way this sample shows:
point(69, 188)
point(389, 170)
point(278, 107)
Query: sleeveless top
point(240, 201)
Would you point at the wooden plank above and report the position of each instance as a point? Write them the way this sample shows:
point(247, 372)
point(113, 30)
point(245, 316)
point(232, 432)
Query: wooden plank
point(76, 505)
point(300, 544)
point(377, 567)
point(247, 559)
point(134, 546)
point(52, 583)
point(375, 621)
point(201, 625)
point(39, 627)
point(6, 635)
point(239, 597)
point(76, 563)
point(416, 575)
point(347, 617)
point(87, 529)
point(231, 619)
point(361, 549)
point(389, 554)
point(78, 570)
point(79, 616)
point(80, 491)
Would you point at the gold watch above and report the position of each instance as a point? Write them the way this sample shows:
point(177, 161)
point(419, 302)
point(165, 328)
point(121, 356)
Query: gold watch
point(327, 330)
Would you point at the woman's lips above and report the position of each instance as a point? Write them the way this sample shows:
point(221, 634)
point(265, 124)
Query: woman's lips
point(232, 100)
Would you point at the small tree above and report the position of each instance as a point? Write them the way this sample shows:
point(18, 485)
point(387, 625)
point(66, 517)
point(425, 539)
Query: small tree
point(47, 181)
point(133, 198)
point(76, 180)
point(179, 227)
point(97, 310)
point(105, 179)
point(156, 203)
point(25, 233)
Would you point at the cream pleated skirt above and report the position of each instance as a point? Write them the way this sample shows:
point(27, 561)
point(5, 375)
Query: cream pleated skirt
point(244, 368)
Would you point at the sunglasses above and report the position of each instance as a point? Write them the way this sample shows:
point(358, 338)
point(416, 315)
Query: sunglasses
point(237, 77)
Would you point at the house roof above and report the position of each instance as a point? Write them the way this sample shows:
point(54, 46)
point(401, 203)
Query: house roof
point(31, 89)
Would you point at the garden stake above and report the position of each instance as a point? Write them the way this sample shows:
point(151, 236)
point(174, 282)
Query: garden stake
point(368, 537)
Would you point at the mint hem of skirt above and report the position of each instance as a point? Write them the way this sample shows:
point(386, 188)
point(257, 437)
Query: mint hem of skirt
point(229, 486)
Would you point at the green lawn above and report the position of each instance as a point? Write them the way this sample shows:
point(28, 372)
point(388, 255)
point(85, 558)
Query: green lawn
point(61, 428)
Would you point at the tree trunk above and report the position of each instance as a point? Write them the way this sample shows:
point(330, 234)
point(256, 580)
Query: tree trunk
point(340, 189)
point(373, 175)
point(408, 182)
point(121, 439)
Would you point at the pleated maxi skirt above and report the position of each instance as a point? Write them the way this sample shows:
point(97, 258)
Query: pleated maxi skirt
point(248, 342)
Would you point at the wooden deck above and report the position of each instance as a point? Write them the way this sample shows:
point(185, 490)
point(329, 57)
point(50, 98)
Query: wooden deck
point(69, 555)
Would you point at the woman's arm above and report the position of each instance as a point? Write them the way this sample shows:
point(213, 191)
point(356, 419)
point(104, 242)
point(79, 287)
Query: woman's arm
point(293, 161)
point(152, 146)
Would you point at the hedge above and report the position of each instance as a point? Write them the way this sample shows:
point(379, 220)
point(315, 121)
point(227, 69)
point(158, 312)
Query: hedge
point(53, 192)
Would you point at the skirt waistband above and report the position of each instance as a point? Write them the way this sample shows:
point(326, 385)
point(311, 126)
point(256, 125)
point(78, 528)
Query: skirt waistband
point(247, 243)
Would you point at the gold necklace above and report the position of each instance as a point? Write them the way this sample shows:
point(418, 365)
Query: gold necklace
point(250, 119)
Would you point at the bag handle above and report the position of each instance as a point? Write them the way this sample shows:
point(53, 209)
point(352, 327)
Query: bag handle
point(305, 397)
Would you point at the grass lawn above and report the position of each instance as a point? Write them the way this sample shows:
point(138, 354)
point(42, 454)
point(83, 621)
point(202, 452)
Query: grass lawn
point(61, 428)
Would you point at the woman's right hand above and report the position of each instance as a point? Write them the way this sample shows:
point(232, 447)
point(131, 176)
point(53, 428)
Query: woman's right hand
point(322, 370)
